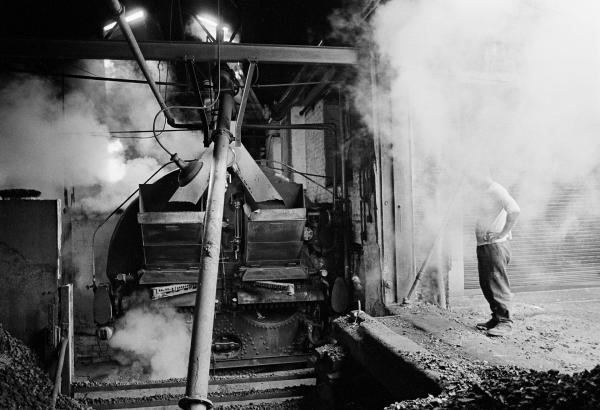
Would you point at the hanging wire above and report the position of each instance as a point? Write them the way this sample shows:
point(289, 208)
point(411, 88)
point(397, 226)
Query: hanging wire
point(292, 169)
point(131, 137)
point(93, 286)
point(156, 134)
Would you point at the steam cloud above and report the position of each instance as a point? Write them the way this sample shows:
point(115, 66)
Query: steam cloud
point(51, 141)
point(157, 337)
point(43, 146)
point(507, 84)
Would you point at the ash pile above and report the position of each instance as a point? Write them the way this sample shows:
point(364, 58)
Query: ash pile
point(515, 388)
point(23, 384)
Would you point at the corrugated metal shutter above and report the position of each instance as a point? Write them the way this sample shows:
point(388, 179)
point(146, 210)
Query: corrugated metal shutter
point(559, 250)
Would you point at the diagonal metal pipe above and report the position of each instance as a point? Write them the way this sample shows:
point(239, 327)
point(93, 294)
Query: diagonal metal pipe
point(189, 170)
point(119, 12)
point(202, 329)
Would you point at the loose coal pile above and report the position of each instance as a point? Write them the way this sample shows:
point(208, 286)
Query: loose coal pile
point(23, 385)
point(171, 399)
point(286, 405)
point(514, 388)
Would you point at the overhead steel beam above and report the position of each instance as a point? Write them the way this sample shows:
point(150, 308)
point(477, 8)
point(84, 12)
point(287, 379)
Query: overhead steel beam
point(164, 50)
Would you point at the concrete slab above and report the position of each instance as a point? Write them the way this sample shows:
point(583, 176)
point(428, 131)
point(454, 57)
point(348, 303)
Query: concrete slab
point(388, 356)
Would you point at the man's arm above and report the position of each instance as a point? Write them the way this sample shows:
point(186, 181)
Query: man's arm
point(511, 220)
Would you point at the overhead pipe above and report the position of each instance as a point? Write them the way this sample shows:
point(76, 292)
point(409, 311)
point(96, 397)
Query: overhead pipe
point(196, 392)
point(196, 87)
point(187, 170)
point(316, 91)
point(119, 11)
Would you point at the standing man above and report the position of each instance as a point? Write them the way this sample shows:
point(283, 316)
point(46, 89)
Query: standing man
point(497, 213)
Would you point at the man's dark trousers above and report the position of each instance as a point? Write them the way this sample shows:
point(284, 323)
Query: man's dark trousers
point(492, 261)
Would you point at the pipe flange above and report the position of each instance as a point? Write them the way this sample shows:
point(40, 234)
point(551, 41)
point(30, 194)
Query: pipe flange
point(117, 7)
point(187, 401)
point(222, 131)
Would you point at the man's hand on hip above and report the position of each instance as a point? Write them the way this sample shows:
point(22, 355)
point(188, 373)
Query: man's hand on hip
point(492, 236)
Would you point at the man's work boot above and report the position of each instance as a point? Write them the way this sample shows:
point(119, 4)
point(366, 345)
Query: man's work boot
point(501, 329)
point(487, 325)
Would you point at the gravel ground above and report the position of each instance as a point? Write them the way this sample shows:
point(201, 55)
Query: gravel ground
point(23, 384)
point(549, 362)
point(548, 334)
point(287, 405)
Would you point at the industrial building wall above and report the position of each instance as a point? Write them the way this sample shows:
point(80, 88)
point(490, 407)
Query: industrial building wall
point(30, 250)
point(307, 152)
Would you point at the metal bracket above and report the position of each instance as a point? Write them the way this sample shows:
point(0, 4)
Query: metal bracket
point(186, 402)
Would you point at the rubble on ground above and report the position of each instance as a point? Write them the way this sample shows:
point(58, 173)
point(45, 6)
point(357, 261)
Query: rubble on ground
point(516, 388)
point(23, 384)
point(169, 398)
point(286, 405)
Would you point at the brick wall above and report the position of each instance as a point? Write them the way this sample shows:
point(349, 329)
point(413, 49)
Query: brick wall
point(307, 152)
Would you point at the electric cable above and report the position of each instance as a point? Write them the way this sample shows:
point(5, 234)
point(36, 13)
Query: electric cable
point(93, 286)
point(156, 134)
point(165, 119)
point(131, 138)
point(297, 172)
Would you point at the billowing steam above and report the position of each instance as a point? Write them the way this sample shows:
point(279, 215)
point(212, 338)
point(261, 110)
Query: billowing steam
point(508, 85)
point(51, 141)
point(157, 337)
point(42, 146)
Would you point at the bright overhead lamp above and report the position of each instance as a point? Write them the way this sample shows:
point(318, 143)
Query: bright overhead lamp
point(133, 16)
point(211, 24)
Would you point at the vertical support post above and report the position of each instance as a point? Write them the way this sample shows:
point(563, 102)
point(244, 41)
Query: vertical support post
point(341, 141)
point(66, 321)
point(404, 197)
point(202, 329)
point(384, 192)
